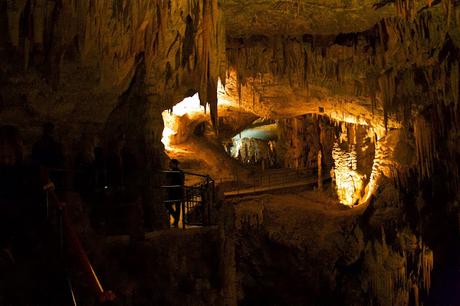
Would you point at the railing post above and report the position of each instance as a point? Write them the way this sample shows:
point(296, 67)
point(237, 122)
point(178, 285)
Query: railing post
point(72, 243)
point(212, 199)
point(182, 206)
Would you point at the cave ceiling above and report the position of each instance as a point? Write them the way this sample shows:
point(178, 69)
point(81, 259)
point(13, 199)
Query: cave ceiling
point(296, 17)
point(354, 61)
point(276, 58)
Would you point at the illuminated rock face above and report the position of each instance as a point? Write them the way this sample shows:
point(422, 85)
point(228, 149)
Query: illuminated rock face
point(360, 159)
point(394, 267)
point(175, 120)
point(102, 65)
point(398, 277)
point(348, 182)
point(301, 16)
point(300, 140)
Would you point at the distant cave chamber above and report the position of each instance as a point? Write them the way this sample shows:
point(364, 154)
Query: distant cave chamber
point(328, 132)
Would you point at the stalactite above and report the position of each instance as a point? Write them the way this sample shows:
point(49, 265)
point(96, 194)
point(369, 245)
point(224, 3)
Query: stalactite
point(399, 46)
point(398, 271)
point(406, 8)
point(409, 66)
point(424, 146)
point(455, 82)
point(447, 7)
point(110, 34)
point(320, 154)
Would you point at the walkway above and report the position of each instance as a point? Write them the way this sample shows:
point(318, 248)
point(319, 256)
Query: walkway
point(273, 180)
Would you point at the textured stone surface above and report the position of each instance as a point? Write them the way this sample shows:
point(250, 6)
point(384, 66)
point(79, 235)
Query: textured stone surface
point(116, 65)
point(76, 58)
point(170, 268)
point(293, 17)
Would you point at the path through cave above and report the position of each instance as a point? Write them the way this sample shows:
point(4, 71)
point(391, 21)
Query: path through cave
point(318, 138)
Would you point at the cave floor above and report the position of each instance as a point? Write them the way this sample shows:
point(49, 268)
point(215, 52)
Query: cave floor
point(308, 201)
point(308, 217)
point(202, 156)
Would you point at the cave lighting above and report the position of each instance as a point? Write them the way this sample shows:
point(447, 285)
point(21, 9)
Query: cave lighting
point(222, 95)
point(348, 182)
point(375, 173)
point(341, 116)
point(350, 185)
point(167, 133)
point(188, 106)
point(236, 147)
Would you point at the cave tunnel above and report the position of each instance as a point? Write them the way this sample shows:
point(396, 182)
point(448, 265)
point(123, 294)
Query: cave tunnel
point(208, 152)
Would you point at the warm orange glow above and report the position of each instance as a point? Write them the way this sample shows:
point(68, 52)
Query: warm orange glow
point(188, 107)
point(167, 133)
point(348, 182)
point(350, 185)
point(222, 95)
point(375, 173)
point(340, 116)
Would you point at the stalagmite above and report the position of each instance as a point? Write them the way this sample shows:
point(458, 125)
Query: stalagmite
point(320, 170)
point(348, 181)
point(258, 106)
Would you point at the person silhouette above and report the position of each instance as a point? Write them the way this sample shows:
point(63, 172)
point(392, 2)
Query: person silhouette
point(176, 180)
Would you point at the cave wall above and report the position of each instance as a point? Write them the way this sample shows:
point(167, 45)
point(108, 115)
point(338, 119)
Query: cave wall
point(400, 78)
point(69, 61)
point(354, 155)
point(403, 73)
point(300, 140)
point(169, 268)
point(336, 256)
point(383, 77)
point(107, 68)
point(253, 151)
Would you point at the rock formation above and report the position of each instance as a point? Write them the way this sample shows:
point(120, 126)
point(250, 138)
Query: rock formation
point(365, 90)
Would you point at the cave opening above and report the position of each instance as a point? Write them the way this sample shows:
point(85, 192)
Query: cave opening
point(211, 152)
point(255, 145)
point(309, 145)
point(177, 120)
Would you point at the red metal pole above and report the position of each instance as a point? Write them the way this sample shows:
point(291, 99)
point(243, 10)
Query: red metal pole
point(76, 248)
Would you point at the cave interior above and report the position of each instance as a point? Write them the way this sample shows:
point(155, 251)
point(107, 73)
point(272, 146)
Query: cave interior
point(317, 143)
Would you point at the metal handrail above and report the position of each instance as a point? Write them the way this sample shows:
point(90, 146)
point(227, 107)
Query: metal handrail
point(196, 174)
point(67, 230)
point(184, 172)
point(268, 178)
point(208, 182)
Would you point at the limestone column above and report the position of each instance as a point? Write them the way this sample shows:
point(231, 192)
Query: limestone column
point(320, 177)
point(154, 157)
point(320, 156)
